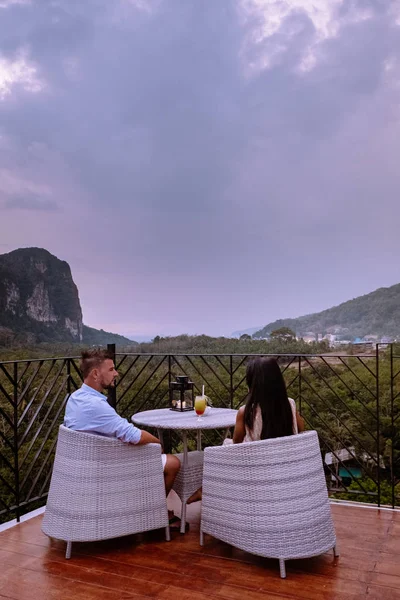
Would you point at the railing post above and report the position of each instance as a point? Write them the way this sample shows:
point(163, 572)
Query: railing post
point(15, 424)
point(378, 426)
point(392, 428)
point(112, 392)
point(231, 379)
point(167, 436)
point(299, 384)
point(68, 377)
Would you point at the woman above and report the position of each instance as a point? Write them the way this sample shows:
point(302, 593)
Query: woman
point(268, 412)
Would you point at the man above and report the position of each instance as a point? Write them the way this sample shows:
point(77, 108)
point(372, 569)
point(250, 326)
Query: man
point(88, 410)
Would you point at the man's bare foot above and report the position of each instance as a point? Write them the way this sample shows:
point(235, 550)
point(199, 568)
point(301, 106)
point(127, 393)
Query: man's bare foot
point(195, 497)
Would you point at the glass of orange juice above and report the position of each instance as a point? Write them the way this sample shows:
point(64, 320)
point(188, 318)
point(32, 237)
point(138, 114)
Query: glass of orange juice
point(200, 405)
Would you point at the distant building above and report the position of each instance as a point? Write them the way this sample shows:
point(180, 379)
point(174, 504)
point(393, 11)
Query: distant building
point(309, 339)
point(342, 342)
point(330, 337)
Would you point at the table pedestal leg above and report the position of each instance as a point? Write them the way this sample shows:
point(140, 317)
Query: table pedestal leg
point(160, 437)
point(185, 449)
point(199, 439)
point(185, 462)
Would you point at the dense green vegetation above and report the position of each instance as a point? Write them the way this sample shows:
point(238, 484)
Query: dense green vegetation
point(204, 344)
point(21, 345)
point(185, 344)
point(377, 313)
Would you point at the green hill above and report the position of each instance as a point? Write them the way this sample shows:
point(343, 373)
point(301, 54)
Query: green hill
point(99, 337)
point(377, 313)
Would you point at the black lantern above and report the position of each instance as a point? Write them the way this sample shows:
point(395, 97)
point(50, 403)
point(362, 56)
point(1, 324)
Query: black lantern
point(181, 394)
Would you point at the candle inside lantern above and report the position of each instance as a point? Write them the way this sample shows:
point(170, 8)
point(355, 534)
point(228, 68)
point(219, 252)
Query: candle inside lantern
point(179, 392)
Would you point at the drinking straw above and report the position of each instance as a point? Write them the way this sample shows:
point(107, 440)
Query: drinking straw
point(202, 391)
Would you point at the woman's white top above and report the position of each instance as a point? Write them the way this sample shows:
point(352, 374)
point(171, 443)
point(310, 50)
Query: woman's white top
point(255, 434)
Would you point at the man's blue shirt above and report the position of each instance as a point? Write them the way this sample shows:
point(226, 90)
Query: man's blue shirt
point(88, 410)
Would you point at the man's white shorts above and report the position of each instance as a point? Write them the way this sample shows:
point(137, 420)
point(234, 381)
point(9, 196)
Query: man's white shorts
point(164, 460)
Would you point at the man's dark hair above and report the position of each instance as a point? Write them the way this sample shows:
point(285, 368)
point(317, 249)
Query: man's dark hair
point(91, 359)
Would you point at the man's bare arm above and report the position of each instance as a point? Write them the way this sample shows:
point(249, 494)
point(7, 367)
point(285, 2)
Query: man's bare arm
point(147, 438)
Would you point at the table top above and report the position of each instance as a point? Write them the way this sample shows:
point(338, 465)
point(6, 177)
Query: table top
point(164, 418)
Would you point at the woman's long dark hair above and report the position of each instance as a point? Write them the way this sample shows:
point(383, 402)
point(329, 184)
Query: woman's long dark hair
point(267, 390)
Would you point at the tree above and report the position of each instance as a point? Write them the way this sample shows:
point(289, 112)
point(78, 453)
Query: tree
point(283, 334)
point(245, 336)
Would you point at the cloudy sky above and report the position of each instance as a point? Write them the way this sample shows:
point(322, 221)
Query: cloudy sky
point(203, 165)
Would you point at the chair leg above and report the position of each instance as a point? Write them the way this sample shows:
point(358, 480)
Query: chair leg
point(183, 517)
point(282, 568)
point(201, 537)
point(69, 550)
point(167, 534)
point(336, 551)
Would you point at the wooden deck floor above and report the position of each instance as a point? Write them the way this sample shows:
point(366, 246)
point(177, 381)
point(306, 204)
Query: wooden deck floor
point(145, 566)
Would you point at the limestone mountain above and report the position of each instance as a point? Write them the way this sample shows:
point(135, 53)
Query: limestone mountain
point(39, 302)
point(377, 313)
point(38, 297)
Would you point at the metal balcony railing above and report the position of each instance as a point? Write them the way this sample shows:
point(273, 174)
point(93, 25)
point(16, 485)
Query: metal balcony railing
point(353, 401)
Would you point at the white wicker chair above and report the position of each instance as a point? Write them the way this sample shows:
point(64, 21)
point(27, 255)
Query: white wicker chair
point(102, 488)
point(268, 498)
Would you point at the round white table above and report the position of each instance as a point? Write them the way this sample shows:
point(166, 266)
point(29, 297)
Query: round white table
point(165, 418)
point(190, 476)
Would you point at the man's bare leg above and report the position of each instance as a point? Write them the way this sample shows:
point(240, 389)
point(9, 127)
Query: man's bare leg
point(171, 470)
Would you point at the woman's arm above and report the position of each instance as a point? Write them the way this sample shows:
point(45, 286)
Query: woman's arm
point(300, 422)
point(240, 430)
point(299, 419)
